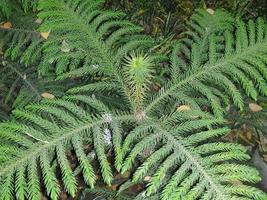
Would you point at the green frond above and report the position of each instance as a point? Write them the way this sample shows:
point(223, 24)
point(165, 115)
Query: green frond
point(20, 183)
point(202, 27)
point(202, 160)
point(113, 122)
point(5, 8)
point(8, 7)
point(190, 166)
point(29, 5)
point(53, 128)
point(138, 74)
point(23, 43)
point(87, 169)
point(99, 143)
point(105, 194)
point(21, 86)
point(67, 174)
point(101, 34)
point(82, 40)
point(49, 177)
point(206, 22)
point(96, 87)
point(33, 185)
point(242, 63)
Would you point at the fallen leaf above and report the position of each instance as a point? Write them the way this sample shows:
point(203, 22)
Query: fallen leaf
point(65, 47)
point(118, 176)
point(156, 87)
point(264, 144)
point(51, 60)
point(45, 35)
point(43, 197)
point(114, 187)
point(147, 152)
point(210, 11)
point(4, 63)
point(147, 178)
point(255, 107)
point(6, 25)
point(47, 95)
point(183, 108)
point(249, 135)
point(38, 21)
point(63, 196)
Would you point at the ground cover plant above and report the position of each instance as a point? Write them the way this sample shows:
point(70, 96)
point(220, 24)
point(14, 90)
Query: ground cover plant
point(87, 112)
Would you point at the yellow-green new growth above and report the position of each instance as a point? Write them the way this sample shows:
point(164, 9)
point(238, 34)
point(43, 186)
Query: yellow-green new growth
point(138, 73)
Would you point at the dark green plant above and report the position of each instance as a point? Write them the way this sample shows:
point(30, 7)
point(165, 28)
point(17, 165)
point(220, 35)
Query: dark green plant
point(168, 140)
point(21, 85)
point(8, 7)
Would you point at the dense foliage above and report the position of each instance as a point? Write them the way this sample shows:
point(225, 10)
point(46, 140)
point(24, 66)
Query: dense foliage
point(81, 84)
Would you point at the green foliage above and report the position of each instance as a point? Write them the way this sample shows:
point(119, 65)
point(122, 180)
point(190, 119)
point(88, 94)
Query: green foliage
point(199, 27)
point(175, 153)
point(205, 69)
point(103, 194)
point(79, 39)
point(7, 7)
point(29, 5)
point(21, 85)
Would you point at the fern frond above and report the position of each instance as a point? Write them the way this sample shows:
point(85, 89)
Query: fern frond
point(241, 63)
point(167, 144)
point(83, 40)
point(206, 22)
point(61, 126)
point(21, 86)
point(138, 74)
point(102, 193)
point(29, 5)
point(23, 43)
point(5, 8)
point(184, 157)
point(190, 166)
point(100, 34)
point(200, 26)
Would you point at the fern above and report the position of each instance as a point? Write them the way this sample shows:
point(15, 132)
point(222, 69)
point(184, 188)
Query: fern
point(230, 60)
point(175, 153)
point(103, 194)
point(99, 34)
point(205, 22)
point(7, 7)
point(201, 25)
point(29, 5)
point(21, 86)
point(61, 120)
point(34, 138)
